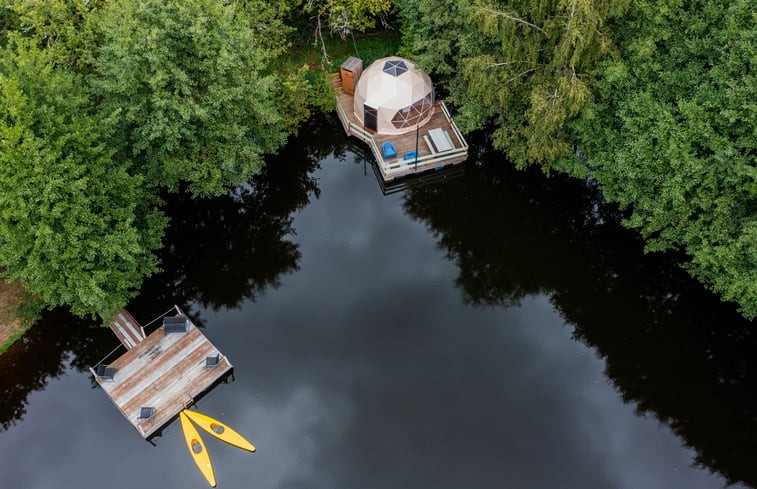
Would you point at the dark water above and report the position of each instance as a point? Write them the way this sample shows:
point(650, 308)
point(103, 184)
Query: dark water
point(498, 329)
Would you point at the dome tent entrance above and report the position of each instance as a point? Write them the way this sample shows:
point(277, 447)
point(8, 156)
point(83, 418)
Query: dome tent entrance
point(392, 96)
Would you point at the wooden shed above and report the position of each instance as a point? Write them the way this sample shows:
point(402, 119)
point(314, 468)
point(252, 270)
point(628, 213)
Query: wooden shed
point(350, 72)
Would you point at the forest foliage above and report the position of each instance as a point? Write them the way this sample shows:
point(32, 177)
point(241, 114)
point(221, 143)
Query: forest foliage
point(671, 134)
point(655, 100)
point(108, 103)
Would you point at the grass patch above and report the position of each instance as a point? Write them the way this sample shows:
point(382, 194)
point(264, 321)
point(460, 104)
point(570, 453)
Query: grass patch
point(19, 332)
point(14, 317)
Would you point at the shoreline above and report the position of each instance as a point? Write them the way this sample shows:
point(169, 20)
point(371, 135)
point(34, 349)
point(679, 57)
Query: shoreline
point(12, 326)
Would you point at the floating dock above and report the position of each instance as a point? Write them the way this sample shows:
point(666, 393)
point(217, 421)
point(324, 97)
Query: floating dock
point(162, 373)
point(423, 141)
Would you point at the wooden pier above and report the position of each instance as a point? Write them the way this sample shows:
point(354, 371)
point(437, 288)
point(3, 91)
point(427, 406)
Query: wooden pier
point(160, 375)
point(127, 329)
point(429, 156)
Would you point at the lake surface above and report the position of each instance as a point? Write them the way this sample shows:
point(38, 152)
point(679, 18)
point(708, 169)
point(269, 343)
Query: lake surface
point(493, 329)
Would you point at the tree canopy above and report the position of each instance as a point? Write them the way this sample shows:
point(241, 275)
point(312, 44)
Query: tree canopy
point(192, 84)
point(672, 132)
point(65, 28)
point(75, 227)
point(107, 103)
point(521, 64)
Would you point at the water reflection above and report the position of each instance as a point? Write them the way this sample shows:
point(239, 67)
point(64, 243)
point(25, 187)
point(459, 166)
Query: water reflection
point(227, 249)
point(387, 377)
point(671, 348)
point(46, 350)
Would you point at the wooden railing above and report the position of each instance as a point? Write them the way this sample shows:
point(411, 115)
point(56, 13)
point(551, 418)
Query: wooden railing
point(457, 132)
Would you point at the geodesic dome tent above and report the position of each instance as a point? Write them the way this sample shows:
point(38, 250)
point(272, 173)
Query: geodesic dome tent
point(392, 96)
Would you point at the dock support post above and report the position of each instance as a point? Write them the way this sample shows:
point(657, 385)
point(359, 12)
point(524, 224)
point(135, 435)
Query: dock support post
point(417, 131)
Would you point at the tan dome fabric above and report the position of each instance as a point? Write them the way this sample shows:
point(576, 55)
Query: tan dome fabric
point(392, 96)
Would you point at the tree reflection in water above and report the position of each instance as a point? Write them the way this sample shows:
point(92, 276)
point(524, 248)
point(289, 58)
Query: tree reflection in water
point(671, 348)
point(225, 250)
point(57, 341)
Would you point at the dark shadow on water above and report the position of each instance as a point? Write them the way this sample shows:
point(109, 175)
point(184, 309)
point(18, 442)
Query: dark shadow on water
point(54, 343)
point(671, 348)
point(222, 251)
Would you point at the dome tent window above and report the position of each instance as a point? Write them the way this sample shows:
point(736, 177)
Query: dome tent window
point(411, 115)
point(395, 67)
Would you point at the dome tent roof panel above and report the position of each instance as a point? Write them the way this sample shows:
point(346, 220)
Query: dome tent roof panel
point(395, 67)
point(392, 94)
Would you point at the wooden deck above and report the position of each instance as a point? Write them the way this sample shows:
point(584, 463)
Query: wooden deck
point(404, 143)
point(165, 371)
point(127, 329)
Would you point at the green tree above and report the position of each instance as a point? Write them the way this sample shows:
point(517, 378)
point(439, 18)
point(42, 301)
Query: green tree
point(75, 226)
point(64, 27)
point(522, 64)
point(344, 16)
point(672, 134)
point(193, 86)
point(8, 23)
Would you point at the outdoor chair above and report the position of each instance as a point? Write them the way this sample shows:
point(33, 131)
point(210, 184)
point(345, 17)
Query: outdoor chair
point(175, 324)
point(105, 372)
point(387, 148)
point(146, 412)
point(212, 360)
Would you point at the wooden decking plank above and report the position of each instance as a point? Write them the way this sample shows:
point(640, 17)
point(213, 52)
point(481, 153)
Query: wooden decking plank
point(125, 340)
point(130, 363)
point(133, 321)
point(130, 334)
point(164, 385)
point(156, 371)
point(173, 398)
point(141, 367)
point(172, 407)
point(171, 392)
point(134, 360)
point(126, 329)
point(171, 368)
point(135, 334)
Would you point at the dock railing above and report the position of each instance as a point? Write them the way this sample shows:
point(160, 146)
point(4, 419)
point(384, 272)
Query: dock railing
point(93, 368)
point(359, 132)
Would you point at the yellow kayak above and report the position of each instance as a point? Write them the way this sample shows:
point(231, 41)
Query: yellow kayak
point(197, 449)
point(220, 430)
